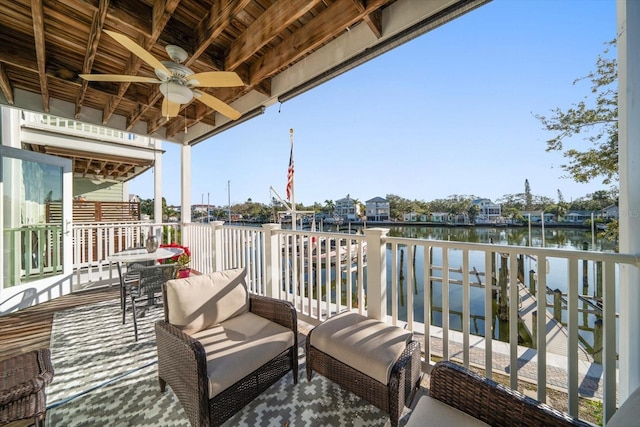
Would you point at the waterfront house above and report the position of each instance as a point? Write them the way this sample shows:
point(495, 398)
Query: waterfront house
point(303, 49)
point(410, 217)
point(488, 212)
point(347, 209)
point(440, 217)
point(579, 216)
point(377, 209)
point(610, 212)
point(536, 216)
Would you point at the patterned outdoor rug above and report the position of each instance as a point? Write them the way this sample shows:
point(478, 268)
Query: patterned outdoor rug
point(104, 378)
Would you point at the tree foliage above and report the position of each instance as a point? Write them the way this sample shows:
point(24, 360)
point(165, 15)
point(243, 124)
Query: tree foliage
point(596, 119)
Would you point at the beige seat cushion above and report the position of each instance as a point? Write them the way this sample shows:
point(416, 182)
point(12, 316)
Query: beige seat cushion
point(629, 413)
point(368, 345)
point(198, 302)
point(239, 346)
point(430, 412)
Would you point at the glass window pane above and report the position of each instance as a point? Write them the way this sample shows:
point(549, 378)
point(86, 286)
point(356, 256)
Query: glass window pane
point(32, 220)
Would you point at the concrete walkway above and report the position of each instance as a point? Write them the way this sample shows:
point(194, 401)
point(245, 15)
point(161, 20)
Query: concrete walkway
point(590, 376)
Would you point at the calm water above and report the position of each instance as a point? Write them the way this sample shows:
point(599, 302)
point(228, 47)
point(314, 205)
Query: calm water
point(565, 238)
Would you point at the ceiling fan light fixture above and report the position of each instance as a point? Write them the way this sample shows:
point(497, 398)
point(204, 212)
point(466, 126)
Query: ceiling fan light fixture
point(176, 92)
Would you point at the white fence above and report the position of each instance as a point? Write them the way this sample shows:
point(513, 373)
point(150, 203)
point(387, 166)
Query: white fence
point(438, 289)
point(80, 129)
point(94, 243)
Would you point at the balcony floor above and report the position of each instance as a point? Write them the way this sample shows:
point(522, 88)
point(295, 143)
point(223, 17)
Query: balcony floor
point(31, 328)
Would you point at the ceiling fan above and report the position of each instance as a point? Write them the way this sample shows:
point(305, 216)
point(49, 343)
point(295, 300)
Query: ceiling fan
point(177, 82)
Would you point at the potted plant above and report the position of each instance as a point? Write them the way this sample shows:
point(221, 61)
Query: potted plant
point(184, 259)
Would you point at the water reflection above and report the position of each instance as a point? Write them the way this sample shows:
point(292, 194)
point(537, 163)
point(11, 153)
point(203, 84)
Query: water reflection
point(567, 238)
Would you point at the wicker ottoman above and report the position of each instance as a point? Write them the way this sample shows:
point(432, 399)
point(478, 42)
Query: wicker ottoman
point(374, 360)
point(22, 382)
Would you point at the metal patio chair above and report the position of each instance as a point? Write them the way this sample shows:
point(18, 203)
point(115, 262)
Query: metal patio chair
point(145, 286)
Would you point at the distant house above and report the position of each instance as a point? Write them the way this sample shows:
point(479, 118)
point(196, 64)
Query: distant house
point(410, 217)
point(610, 212)
point(536, 216)
point(201, 208)
point(487, 210)
point(347, 209)
point(461, 218)
point(440, 217)
point(579, 216)
point(378, 209)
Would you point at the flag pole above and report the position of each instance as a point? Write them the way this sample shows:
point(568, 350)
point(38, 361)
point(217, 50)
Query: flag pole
point(294, 218)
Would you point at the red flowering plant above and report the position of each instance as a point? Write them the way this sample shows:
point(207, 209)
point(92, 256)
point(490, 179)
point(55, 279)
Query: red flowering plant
point(183, 259)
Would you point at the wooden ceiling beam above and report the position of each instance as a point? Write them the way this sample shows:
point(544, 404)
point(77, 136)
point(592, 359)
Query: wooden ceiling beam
point(37, 14)
point(133, 16)
point(5, 85)
point(338, 16)
point(218, 18)
point(17, 57)
point(373, 20)
point(162, 11)
point(264, 29)
point(97, 24)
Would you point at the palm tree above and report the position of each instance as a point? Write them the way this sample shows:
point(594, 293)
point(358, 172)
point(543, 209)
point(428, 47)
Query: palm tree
point(329, 206)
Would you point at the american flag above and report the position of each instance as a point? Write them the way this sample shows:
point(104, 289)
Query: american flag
point(290, 174)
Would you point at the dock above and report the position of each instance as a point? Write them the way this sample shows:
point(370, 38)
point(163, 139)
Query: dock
point(557, 334)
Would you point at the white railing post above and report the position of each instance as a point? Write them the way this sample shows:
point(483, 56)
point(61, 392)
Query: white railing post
point(376, 273)
point(271, 269)
point(628, 44)
point(217, 246)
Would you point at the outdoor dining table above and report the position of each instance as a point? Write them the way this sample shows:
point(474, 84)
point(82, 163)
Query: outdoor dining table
point(142, 255)
point(139, 255)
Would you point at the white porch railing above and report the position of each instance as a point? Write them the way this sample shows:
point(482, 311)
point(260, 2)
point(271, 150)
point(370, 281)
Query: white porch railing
point(80, 129)
point(94, 243)
point(34, 252)
point(384, 277)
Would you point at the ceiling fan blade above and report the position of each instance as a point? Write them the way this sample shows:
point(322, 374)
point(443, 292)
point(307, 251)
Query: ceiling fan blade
point(215, 79)
point(216, 104)
point(139, 51)
point(170, 109)
point(118, 78)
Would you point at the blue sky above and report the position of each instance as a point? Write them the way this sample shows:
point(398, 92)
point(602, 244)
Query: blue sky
point(451, 112)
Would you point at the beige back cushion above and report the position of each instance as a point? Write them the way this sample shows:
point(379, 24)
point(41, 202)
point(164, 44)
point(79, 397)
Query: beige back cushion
point(198, 302)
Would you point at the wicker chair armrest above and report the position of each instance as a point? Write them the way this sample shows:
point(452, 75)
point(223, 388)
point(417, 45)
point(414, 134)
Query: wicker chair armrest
point(182, 363)
point(491, 402)
point(17, 392)
point(278, 311)
point(43, 374)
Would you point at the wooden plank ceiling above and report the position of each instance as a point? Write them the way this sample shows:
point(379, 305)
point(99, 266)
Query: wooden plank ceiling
point(45, 44)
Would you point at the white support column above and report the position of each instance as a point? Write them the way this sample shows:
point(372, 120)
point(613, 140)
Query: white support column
point(185, 175)
point(11, 127)
point(271, 250)
point(157, 184)
point(376, 273)
point(218, 245)
point(628, 45)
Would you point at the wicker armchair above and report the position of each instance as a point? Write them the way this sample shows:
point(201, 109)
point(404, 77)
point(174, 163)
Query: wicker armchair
point(488, 401)
point(22, 386)
point(219, 347)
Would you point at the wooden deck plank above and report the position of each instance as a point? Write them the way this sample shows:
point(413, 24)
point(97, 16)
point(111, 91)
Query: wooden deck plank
point(30, 329)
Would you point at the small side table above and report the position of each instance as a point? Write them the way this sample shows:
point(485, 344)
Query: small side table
point(23, 379)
